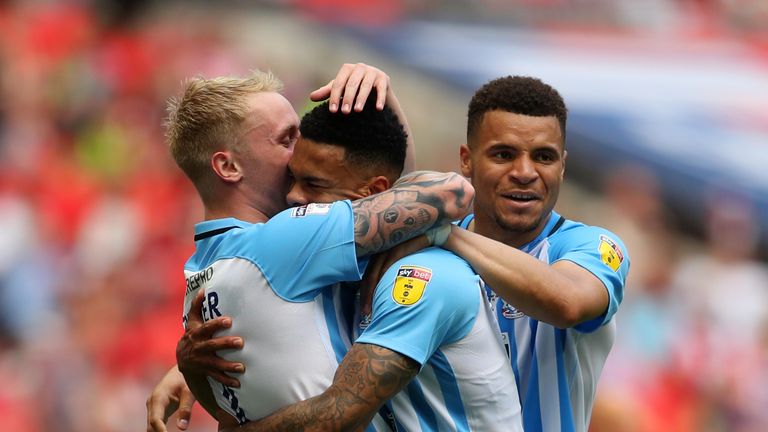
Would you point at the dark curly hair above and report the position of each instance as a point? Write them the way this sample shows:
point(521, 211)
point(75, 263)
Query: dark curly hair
point(516, 94)
point(374, 140)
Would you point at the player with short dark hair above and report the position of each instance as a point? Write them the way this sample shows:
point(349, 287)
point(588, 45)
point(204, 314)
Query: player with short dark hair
point(375, 141)
point(346, 155)
point(516, 94)
point(556, 284)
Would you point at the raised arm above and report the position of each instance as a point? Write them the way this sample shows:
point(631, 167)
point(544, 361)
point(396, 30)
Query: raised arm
point(368, 376)
point(416, 203)
point(350, 89)
point(563, 294)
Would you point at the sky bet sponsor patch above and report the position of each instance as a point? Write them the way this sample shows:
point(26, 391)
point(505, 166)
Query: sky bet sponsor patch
point(610, 253)
point(410, 283)
point(310, 209)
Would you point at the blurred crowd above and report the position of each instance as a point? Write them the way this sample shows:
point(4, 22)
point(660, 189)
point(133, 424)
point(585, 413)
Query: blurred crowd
point(97, 223)
point(691, 352)
point(97, 218)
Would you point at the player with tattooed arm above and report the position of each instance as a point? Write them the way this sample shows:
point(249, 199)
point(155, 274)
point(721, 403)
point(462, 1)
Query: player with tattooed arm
point(233, 137)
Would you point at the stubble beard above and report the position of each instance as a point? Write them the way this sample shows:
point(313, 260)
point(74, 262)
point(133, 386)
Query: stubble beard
point(519, 227)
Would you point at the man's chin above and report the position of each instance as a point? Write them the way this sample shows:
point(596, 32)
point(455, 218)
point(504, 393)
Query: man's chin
point(518, 225)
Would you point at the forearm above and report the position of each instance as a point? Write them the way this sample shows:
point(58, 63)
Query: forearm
point(532, 286)
point(449, 193)
point(368, 376)
point(417, 202)
point(325, 412)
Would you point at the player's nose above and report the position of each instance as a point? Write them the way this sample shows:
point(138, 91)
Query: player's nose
point(296, 197)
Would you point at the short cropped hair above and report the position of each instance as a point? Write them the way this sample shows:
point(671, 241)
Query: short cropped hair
point(519, 95)
point(207, 118)
point(374, 140)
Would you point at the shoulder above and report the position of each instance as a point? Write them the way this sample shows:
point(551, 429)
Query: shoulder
point(447, 279)
point(311, 213)
point(295, 226)
point(576, 229)
point(304, 228)
point(444, 265)
point(423, 301)
point(575, 234)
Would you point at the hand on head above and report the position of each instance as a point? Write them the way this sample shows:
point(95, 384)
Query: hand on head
point(351, 87)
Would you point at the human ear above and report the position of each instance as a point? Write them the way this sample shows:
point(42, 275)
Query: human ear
point(465, 157)
point(377, 184)
point(565, 157)
point(225, 167)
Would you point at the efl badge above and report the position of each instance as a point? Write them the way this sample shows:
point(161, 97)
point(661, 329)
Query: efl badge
point(310, 209)
point(610, 253)
point(410, 284)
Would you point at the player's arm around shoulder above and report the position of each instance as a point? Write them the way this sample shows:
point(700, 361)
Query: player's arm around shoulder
point(564, 294)
point(309, 247)
point(416, 203)
point(597, 259)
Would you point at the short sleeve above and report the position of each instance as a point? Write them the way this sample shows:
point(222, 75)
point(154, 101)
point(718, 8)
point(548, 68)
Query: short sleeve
point(304, 249)
point(603, 254)
point(423, 301)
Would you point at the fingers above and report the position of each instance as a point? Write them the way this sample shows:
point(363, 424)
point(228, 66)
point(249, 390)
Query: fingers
point(202, 346)
point(209, 328)
point(352, 86)
point(357, 85)
point(156, 425)
point(338, 85)
point(322, 93)
point(225, 379)
point(195, 316)
point(382, 90)
point(205, 360)
point(196, 352)
point(164, 400)
point(362, 80)
point(159, 408)
point(155, 421)
point(186, 403)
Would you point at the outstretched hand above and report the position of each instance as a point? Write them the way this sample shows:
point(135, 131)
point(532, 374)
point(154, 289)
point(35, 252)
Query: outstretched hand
point(196, 350)
point(351, 87)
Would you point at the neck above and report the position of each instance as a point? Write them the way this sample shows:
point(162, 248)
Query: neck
point(243, 213)
point(240, 204)
point(517, 239)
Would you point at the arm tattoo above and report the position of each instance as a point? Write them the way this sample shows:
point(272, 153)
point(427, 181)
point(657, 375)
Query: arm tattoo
point(416, 203)
point(368, 377)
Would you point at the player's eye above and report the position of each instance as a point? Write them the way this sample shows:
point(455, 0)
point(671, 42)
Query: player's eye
point(289, 141)
point(546, 157)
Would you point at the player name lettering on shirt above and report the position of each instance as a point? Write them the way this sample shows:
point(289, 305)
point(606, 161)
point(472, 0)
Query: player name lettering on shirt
point(198, 279)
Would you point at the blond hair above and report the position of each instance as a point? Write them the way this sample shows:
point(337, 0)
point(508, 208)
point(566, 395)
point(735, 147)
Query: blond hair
point(207, 118)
